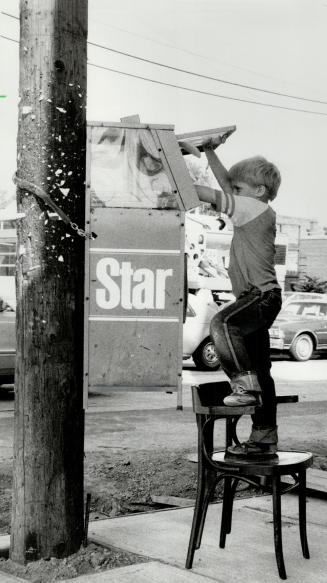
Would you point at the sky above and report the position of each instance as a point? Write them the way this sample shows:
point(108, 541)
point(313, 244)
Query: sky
point(271, 45)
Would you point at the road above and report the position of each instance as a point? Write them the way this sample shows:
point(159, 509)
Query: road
point(306, 379)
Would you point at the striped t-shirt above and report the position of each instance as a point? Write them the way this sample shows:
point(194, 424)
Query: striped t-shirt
point(252, 253)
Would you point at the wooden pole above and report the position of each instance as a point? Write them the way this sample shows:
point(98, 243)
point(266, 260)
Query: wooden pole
point(47, 517)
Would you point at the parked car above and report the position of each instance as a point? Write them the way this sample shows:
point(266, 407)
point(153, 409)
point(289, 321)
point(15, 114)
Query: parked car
point(291, 296)
point(301, 326)
point(7, 340)
point(196, 336)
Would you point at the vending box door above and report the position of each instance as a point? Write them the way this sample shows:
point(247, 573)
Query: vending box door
point(135, 299)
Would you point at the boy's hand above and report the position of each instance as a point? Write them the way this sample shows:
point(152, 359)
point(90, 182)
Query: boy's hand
point(213, 143)
point(189, 148)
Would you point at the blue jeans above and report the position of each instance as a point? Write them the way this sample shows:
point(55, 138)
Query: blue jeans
point(240, 334)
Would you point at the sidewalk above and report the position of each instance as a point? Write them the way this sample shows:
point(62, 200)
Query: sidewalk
point(249, 555)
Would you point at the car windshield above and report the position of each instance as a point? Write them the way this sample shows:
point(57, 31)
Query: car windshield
point(309, 309)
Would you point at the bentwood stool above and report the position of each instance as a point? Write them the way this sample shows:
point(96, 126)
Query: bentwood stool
point(215, 466)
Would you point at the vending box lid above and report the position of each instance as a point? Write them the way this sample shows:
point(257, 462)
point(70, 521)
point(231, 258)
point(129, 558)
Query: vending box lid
point(196, 139)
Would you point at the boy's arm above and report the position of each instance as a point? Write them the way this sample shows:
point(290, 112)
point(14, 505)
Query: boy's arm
point(207, 194)
point(221, 201)
point(218, 169)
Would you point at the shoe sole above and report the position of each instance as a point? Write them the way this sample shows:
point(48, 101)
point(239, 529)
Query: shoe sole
point(256, 401)
point(257, 456)
point(234, 404)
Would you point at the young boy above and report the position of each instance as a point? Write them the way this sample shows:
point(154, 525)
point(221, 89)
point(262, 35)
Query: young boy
point(240, 331)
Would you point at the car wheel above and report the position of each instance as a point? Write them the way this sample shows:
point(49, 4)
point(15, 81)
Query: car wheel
point(205, 357)
point(302, 347)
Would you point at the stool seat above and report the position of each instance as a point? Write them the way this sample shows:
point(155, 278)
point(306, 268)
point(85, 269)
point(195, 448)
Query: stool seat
point(208, 399)
point(219, 466)
point(285, 463)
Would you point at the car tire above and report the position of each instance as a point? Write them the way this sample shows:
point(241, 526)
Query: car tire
point(302, 347)
point(205, 356)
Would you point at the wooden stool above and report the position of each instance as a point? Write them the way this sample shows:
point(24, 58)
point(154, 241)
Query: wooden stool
point(214, 467)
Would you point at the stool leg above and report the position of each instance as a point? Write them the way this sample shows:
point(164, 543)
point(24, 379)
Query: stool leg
point(202, 475)
point(210, 486)
point(229, 433)
point(233, 490)
point(226, 511)
point(210, 478)
point(230, 486)
point(204, 485)
point(277, 518)
point(303, 514)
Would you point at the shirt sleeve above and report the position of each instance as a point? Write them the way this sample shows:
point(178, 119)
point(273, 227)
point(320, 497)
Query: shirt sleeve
point(246, 209)
point(240, 209)
point(225, 203)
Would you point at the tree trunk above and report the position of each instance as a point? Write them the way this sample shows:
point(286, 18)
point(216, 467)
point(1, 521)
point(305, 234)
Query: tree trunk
point(47, 517)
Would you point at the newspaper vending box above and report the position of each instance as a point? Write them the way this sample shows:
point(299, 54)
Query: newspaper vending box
point(138, 189)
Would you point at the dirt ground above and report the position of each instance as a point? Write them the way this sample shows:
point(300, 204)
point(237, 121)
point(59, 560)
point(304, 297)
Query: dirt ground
point(92, 558)
point(118, 484)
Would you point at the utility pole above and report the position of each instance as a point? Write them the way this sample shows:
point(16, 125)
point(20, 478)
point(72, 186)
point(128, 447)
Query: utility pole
point(47, 518)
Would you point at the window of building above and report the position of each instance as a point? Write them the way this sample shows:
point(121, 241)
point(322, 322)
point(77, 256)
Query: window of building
point(7, 258)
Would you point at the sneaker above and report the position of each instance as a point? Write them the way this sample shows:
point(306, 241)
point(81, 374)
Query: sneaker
point(249, 449)
point(246, 379)
point(241, 398)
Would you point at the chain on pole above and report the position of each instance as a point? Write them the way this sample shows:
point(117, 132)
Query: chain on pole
point(40, 193)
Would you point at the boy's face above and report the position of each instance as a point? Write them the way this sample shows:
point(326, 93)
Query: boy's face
point(244, 189)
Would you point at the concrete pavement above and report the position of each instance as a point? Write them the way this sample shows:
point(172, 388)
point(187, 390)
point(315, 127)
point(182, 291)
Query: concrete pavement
point(152, 572)
point(249, 555)
point(6, 578)
point(162, 537)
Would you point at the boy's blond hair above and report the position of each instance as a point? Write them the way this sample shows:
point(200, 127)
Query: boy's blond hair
point(256, 171)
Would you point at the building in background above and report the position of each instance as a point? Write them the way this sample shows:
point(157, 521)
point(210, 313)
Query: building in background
point(8, 251)
point(307, 248)
point(313, 257)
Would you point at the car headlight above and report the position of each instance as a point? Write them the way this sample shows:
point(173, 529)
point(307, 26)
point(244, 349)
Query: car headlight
point(276, 333)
